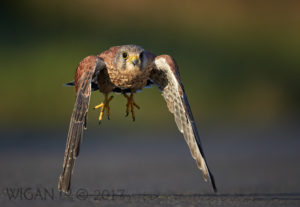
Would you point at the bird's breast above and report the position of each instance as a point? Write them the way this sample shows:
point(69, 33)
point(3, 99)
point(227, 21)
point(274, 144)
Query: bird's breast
point(132, 79)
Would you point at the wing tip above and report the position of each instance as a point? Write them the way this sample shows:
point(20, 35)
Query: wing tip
point(213, 183)
point(208, 175)
point(61, 182)
point(63, 186)
point(69, 84)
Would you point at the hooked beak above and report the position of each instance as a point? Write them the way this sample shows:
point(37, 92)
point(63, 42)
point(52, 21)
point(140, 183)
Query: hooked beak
point(134, 59)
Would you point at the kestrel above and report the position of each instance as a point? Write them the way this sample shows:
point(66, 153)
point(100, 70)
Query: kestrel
point(127, 69)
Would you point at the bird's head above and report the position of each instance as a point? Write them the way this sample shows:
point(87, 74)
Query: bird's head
point(130, 58)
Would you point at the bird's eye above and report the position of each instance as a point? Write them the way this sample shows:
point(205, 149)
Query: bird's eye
point(125, 55)
point(141, 55)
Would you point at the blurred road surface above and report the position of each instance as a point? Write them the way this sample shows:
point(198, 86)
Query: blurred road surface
point(124, 168)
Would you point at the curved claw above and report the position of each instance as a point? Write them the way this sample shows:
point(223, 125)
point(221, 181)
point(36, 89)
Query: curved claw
point(104, 106)
point(136, 105)
point(130, 105)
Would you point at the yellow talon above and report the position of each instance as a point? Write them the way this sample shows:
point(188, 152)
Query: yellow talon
point(98, 106)
point(104, 105)
point(130, 105)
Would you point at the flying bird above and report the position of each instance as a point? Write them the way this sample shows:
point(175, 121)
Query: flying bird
point(126, 69)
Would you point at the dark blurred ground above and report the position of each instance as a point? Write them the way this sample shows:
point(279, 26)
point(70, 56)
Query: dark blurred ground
point(252, 168)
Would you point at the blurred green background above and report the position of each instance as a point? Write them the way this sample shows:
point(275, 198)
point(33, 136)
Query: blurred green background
point(239, 60)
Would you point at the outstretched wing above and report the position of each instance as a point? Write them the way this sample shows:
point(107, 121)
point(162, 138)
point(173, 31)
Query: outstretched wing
point(165, 74)
point(86, 73)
